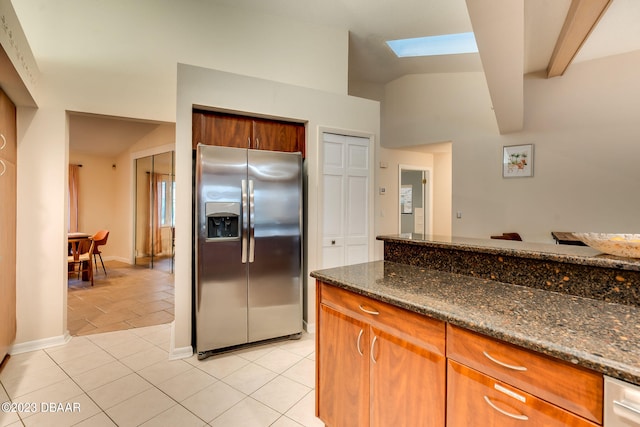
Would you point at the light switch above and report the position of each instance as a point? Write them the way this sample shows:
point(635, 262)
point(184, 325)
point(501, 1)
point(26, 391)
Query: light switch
point(383, 191)
point(459, 214)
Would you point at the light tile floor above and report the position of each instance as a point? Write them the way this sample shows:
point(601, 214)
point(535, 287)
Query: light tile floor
point(128, 296)
point(125, 378)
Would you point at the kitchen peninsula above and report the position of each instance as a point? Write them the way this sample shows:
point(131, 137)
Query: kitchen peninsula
point(572, 313)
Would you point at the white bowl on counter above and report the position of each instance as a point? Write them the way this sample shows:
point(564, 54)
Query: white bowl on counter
point(623, 245)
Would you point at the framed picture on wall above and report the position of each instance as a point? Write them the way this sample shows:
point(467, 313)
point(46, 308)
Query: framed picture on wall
point(517, 161)
point(406, 199)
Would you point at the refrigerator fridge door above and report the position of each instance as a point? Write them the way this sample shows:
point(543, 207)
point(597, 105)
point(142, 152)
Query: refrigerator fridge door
point(275, 244)
point(221, 275)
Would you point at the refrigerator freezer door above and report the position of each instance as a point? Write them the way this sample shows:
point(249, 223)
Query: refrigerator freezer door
point(275, 248)
point(221, 277)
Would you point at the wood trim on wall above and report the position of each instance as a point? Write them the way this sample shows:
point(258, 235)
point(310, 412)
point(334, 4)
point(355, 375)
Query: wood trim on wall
point(582, 18)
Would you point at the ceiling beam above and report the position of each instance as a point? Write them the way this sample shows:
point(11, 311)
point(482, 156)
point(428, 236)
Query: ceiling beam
point(581, 19)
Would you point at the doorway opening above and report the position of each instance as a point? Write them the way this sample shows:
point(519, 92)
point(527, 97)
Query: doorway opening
point(415, 200)
point(124, 295)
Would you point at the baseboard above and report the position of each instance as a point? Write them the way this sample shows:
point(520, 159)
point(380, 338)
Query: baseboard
point(309, 327)
point(116, 258)
point(25, 347)
point(176, 353)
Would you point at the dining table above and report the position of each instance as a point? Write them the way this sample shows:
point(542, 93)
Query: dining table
point(78, 242)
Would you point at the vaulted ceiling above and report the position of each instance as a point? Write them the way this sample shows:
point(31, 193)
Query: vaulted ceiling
point(515, 37)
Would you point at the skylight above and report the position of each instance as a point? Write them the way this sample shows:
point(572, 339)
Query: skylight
point(449, 44)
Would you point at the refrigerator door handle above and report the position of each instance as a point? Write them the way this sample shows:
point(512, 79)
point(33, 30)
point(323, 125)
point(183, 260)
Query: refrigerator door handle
point(245, 217)
point(252, 240)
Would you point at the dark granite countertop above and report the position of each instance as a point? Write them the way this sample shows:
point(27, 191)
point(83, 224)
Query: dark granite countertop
point(594, 334)
point(582, 255)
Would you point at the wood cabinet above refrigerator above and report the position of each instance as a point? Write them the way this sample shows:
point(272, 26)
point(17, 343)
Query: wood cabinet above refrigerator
point(212, 128)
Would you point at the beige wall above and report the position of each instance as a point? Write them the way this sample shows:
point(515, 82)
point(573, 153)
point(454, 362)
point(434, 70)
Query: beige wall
point(442, 173)
point(388, 211)
point(107, 192)
point(41, 225)
point(97, 196)
point(584, 128)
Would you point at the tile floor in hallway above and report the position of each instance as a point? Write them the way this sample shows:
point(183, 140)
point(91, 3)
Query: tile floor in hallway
point(125, 378)
point(128, 296)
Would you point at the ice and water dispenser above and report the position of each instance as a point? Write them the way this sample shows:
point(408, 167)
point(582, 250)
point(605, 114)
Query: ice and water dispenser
point(223, 220)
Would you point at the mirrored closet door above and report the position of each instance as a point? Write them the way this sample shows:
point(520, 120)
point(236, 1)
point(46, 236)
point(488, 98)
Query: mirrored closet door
point(154, 213)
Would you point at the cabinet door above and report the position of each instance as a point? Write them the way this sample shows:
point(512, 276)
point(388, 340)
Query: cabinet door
point(342, 381)
point(278, 136)
point(474, 399)
point(7, 129)
point(407, 383)
point(221, 129)
point(7, 255)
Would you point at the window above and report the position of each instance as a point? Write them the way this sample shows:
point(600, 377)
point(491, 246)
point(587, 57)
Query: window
point(448, 44)
point(166, 201)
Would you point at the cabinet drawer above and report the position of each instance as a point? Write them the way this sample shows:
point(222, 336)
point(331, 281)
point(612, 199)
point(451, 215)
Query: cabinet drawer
point(412, 327)
point(479, 400)
point(573, 388)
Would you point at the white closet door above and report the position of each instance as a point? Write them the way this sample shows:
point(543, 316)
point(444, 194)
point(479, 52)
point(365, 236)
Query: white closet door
point(346, 175)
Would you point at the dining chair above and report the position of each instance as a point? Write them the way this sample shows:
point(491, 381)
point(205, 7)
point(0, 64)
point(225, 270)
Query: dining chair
point(99, 239)
point(83, 261)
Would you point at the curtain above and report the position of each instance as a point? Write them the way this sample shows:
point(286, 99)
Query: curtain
point(74, 180)
point(154, 239)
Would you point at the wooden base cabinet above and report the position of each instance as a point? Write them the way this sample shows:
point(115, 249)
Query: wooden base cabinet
point(343, 380)
point(369, 371)
point(407, 383)
point(380, 365)
point(475, 399)
point(565, 385)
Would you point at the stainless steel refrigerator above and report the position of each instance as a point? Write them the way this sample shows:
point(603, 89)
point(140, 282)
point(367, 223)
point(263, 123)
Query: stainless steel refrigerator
point(248, 247)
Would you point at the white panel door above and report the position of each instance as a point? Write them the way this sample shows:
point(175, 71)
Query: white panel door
point(346, 180)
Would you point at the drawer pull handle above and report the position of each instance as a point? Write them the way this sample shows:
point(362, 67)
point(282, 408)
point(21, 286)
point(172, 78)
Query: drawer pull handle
point(373, 343)
point(505, 365)
point(4, 168)
point(503, 412)
point(628, 406)
point(368, 311)
point(4, 141)
point(358, 342)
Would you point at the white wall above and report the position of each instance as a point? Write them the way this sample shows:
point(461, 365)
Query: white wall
point(217, 89)
point(585, 130)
